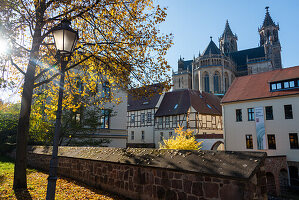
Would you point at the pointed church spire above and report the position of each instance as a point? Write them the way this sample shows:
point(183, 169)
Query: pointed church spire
point(227, 30)
point(268, 20)
point(228, 40)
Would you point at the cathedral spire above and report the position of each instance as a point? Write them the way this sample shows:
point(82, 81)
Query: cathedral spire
point(269, 30)
point(228, 40)
point(270, 40)
point(227, 30)
point(268, 20)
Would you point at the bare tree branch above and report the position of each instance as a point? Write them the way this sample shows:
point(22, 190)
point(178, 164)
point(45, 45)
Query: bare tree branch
point(16, 66)
point(55, 75)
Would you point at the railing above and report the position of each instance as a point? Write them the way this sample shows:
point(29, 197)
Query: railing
point(255, 60)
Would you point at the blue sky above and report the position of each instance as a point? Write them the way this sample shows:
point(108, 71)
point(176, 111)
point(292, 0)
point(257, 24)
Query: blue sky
point(193, 22)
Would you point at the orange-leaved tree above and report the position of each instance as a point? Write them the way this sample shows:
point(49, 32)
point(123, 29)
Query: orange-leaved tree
point(183, 140)
point(118, 40)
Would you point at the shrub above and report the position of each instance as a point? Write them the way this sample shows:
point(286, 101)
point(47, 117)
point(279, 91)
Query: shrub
point(183, 140)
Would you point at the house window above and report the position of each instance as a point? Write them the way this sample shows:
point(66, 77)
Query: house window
point(278, 86)
point(238, 115)
point(132, 118)
point(170, 134)
point(292, 83)
point(142, 135)
point(167, 120)
point(271, 142)
point(132, 135)
point(160, 121)
point(142, 116)
point(161, 136)
point(174, 121)
point(269, 113)
point(106, 90)
point(80, 86)
point(273, 86)
point(78, 117)
point(104, 120)
point(294, 141)
point(250, 114)
point(149, 118)
point(286, 84)
point(288, 113)
point(249, 143)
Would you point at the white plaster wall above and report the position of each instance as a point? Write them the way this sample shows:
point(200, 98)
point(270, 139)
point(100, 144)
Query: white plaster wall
point(148, 134)
point(234, 132)
point(119, 119)
point(117, 142)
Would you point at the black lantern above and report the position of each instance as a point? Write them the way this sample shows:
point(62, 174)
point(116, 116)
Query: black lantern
point(65, 41)
point(65, 37)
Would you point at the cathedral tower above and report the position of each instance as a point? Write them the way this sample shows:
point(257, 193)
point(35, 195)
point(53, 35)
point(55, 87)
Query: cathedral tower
point(269, 39)
point(228, 40)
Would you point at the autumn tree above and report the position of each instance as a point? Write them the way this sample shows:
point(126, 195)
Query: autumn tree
point(119, 41)
point(183, 140)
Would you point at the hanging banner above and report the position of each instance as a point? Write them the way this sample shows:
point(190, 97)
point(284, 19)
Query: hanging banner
point(260, 127)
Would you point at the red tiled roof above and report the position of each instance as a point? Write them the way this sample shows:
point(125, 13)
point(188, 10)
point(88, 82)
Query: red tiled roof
point(137, 102)
point(179, 101)
point(257, 86)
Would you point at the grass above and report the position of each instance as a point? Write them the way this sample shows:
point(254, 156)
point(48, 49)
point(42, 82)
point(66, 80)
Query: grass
point(37, 186)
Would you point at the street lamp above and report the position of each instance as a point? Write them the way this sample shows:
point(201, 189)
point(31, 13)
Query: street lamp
point(65, 41)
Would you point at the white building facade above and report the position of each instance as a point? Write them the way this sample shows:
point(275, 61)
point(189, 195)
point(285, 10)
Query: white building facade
point(261, 113)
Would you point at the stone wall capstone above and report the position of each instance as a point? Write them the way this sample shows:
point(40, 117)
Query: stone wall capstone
point(140, 176)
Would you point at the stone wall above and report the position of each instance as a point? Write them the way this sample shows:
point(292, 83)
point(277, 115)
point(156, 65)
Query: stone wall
point(138, 181)
point(276, 165)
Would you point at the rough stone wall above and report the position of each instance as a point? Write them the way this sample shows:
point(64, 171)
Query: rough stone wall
point(149, 183)
point(274, 164)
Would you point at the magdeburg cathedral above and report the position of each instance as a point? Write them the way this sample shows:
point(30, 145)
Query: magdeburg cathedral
point(214, 70)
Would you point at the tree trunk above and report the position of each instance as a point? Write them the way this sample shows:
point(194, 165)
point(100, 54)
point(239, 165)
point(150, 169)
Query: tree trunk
point(20, 181)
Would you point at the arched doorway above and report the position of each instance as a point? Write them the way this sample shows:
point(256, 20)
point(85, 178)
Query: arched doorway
point(271, 188)
point(283, 180)
point(294, 176)
point(219, 146)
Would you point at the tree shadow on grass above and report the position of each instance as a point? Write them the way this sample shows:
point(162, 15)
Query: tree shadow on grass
point(96, 189)
point(23, 194)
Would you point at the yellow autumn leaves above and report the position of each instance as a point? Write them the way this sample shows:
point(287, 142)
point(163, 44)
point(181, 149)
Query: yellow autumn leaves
point(184, 140)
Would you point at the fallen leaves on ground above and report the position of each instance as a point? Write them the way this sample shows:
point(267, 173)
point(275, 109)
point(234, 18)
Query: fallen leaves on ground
point(37, 187)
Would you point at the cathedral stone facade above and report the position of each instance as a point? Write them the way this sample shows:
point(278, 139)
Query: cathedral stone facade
point(215, 69)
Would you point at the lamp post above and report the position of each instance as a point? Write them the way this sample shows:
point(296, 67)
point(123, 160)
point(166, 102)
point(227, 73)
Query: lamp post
point(65, 41)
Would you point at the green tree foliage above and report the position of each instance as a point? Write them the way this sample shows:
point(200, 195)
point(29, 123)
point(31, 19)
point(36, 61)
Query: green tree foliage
point(8, 122)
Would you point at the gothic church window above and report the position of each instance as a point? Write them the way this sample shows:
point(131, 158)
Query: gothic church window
point(226, 81)
point(216, 82)
point(196, 84)
point(207, 82)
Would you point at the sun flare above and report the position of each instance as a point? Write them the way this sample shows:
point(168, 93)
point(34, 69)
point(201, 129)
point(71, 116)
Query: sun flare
point(3, 46)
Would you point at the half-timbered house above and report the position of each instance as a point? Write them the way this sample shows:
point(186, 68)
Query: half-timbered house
point(192, 109)
point(140, 115)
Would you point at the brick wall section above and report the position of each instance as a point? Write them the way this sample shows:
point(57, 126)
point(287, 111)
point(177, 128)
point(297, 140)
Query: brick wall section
point(274, 164)
point(149, 183)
